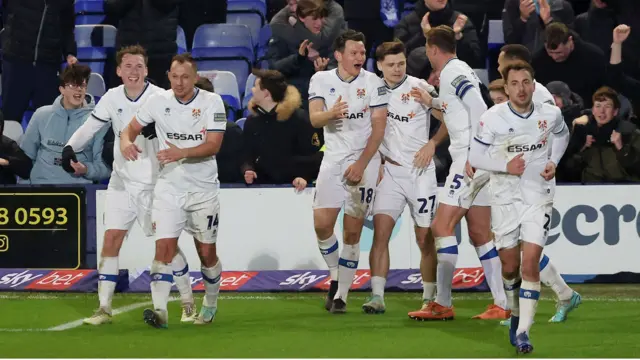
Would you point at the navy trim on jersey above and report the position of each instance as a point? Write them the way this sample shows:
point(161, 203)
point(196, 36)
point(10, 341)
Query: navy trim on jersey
point(377, 106)
point(520, 115)
point(343, 80)
point(447, 63)
point(146, 86)
point(316, 97)
point(561, 130)
point(398, 84)
point(464, 91)
point(481, 142)
point(97, 118)
point(215, 130)
point(195, 95)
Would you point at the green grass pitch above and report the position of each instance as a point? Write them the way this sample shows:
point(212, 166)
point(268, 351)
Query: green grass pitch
point(288, 325)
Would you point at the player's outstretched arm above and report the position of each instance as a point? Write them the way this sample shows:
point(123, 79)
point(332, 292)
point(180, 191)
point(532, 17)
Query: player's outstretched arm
point(472, 98)
point(559, 144)
point(129, 150)
point(319, 117)
point(86, 132)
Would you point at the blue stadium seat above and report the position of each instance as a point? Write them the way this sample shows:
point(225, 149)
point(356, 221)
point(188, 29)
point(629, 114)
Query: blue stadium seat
point(241, 122)
point(251, 80)
point(89, 12)
point(239, 68)
point(263, 40)
point(26, 118)
point(233, 37)
point(252, 19)
point(225, 85)
point(95, 42)
point(181, 40)
point(257, 5)
point(96, 86)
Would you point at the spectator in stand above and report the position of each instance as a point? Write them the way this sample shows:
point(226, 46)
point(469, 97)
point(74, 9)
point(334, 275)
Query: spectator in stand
point(13, 162)
point(152, 24)
point(365, 16)
point(193, 13)
point(609, 147)
point(294, 55)
point(569, 59)
point(431, 13)
point(38, 36)
point(523, 23)
point(617, 77)
point(229, 158)
point(497, 92)
point(569, 102)
point(596, 25)
point(52, 126)
point(281, 146)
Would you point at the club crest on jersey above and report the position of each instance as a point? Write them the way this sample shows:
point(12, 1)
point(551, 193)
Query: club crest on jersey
point(542, 125)
point(405, 98)
point(361, 93)
point(195, 113)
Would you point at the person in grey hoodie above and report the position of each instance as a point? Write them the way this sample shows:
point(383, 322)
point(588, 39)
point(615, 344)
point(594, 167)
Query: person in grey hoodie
point(51, 127)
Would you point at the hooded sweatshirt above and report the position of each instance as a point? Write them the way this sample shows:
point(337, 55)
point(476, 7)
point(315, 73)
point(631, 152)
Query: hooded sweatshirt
point(49, 130)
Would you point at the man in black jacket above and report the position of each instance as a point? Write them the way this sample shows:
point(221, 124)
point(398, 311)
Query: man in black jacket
point(13, 161)
point(38, 37)
point(281, 146)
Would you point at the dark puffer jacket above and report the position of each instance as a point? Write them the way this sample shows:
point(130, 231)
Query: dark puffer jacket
point(38, 31)
point(151, 23)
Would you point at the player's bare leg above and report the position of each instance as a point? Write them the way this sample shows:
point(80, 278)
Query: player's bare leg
point(479, 225)
point(161, 281)
point(211, 274)
point(428, 269)
point(324, 221)
point(383, 225)
point(108, 275)
point(182, 279)
point(348, 263)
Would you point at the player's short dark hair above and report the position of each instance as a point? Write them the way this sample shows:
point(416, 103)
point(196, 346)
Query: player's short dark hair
point(390, 48)
point(556, 34)
point(131, 50)
point(341, 41)
point(606, 93)
point(517, 66)
point(313, 8)
point(516, 52)
point(497, 85)
point(272, 81)
point(204, 84)
point(443, 37)
point(76, 74)
point(185, 58)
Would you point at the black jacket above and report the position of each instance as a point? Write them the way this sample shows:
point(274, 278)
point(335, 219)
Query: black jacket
point(19, 163)
point(151, 23)
point(231, 155)
point(281, 145)
point(38, 31)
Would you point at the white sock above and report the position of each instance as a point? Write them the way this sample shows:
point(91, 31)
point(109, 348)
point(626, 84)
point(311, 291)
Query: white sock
point(329, 251)
point(211, 279)
point(550, 276)
point(181, 277)
point(492, 266)
point(377, 285)
point(347, 266)
point(107, 280)
point(512, 291)
point(529, 295)
point(447, 259)
point(161, 280)
point(428, 291)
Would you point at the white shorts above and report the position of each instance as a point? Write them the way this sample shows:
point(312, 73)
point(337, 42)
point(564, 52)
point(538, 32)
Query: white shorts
point(123, 207)
point(514, 222)
point(401, 186)
point(333, 192)
point(461, 191)
point(196, 213)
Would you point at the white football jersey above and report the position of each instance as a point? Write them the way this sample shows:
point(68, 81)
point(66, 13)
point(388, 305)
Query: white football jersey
point(185, 125)
point(542, 95)
point(118, 109)
point(456, 79)
point(508, 134)
point(408, 122)
point(346, 138)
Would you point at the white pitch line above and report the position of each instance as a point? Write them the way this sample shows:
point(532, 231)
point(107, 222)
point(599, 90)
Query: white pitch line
point(120, 310)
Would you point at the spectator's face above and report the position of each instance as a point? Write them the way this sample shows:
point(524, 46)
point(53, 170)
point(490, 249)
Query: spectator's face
point(498, 97)
point(519, 87)
point(313, 24)
point(352, 58)
point(435, 5)
point(132, 70)
point(293, 5)
point(73, 94)
point(604, 111)
point(559, 101)
point(183, 78)
point(599, 4)
point(259, 94)
point(393, 67)
point(562, 52)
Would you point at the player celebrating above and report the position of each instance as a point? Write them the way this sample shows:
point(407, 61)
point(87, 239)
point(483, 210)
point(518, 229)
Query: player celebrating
point(462, 104)
point(511, 135)
point(568, 299)
point(351, 104)
point(190, 124)
point(409, 175)
point(130, 190)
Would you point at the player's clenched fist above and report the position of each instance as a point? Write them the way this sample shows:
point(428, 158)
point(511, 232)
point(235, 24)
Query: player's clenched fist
point(516, 165)
point(339, 109)
point(130, 150)
point(354, 173)
point(549, 171)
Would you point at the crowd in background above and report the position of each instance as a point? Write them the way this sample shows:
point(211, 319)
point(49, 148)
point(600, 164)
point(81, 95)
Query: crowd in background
point(577, 50)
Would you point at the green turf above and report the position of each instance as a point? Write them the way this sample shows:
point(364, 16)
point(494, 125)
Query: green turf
point(296, 325)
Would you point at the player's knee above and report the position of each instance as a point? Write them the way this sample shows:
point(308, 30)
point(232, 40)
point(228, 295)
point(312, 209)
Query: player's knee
point(510, 269)
point(165, 250)
point(479, 235)
point(351, 236)
point(530, 269)
point(112, 242)
point(442, 227)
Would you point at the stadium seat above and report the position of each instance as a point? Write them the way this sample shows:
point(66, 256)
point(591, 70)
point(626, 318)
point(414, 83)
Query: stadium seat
point(241, 122)
point(181, 40)
point(26, 117)
point(89, 12)
point(235, 39)
point(225, 85)
point(257, 5)
point(94, 43)
point(263, 41)
point(13, 130)
point(96, 86)
point(251, 80)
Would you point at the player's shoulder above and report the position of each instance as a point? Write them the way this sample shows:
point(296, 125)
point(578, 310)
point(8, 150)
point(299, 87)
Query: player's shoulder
point(152, 89)
point(323, 76)
point(496, 114)
point(208, 96)
point(413, 81)
point(113, 93)
point(545, 108)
